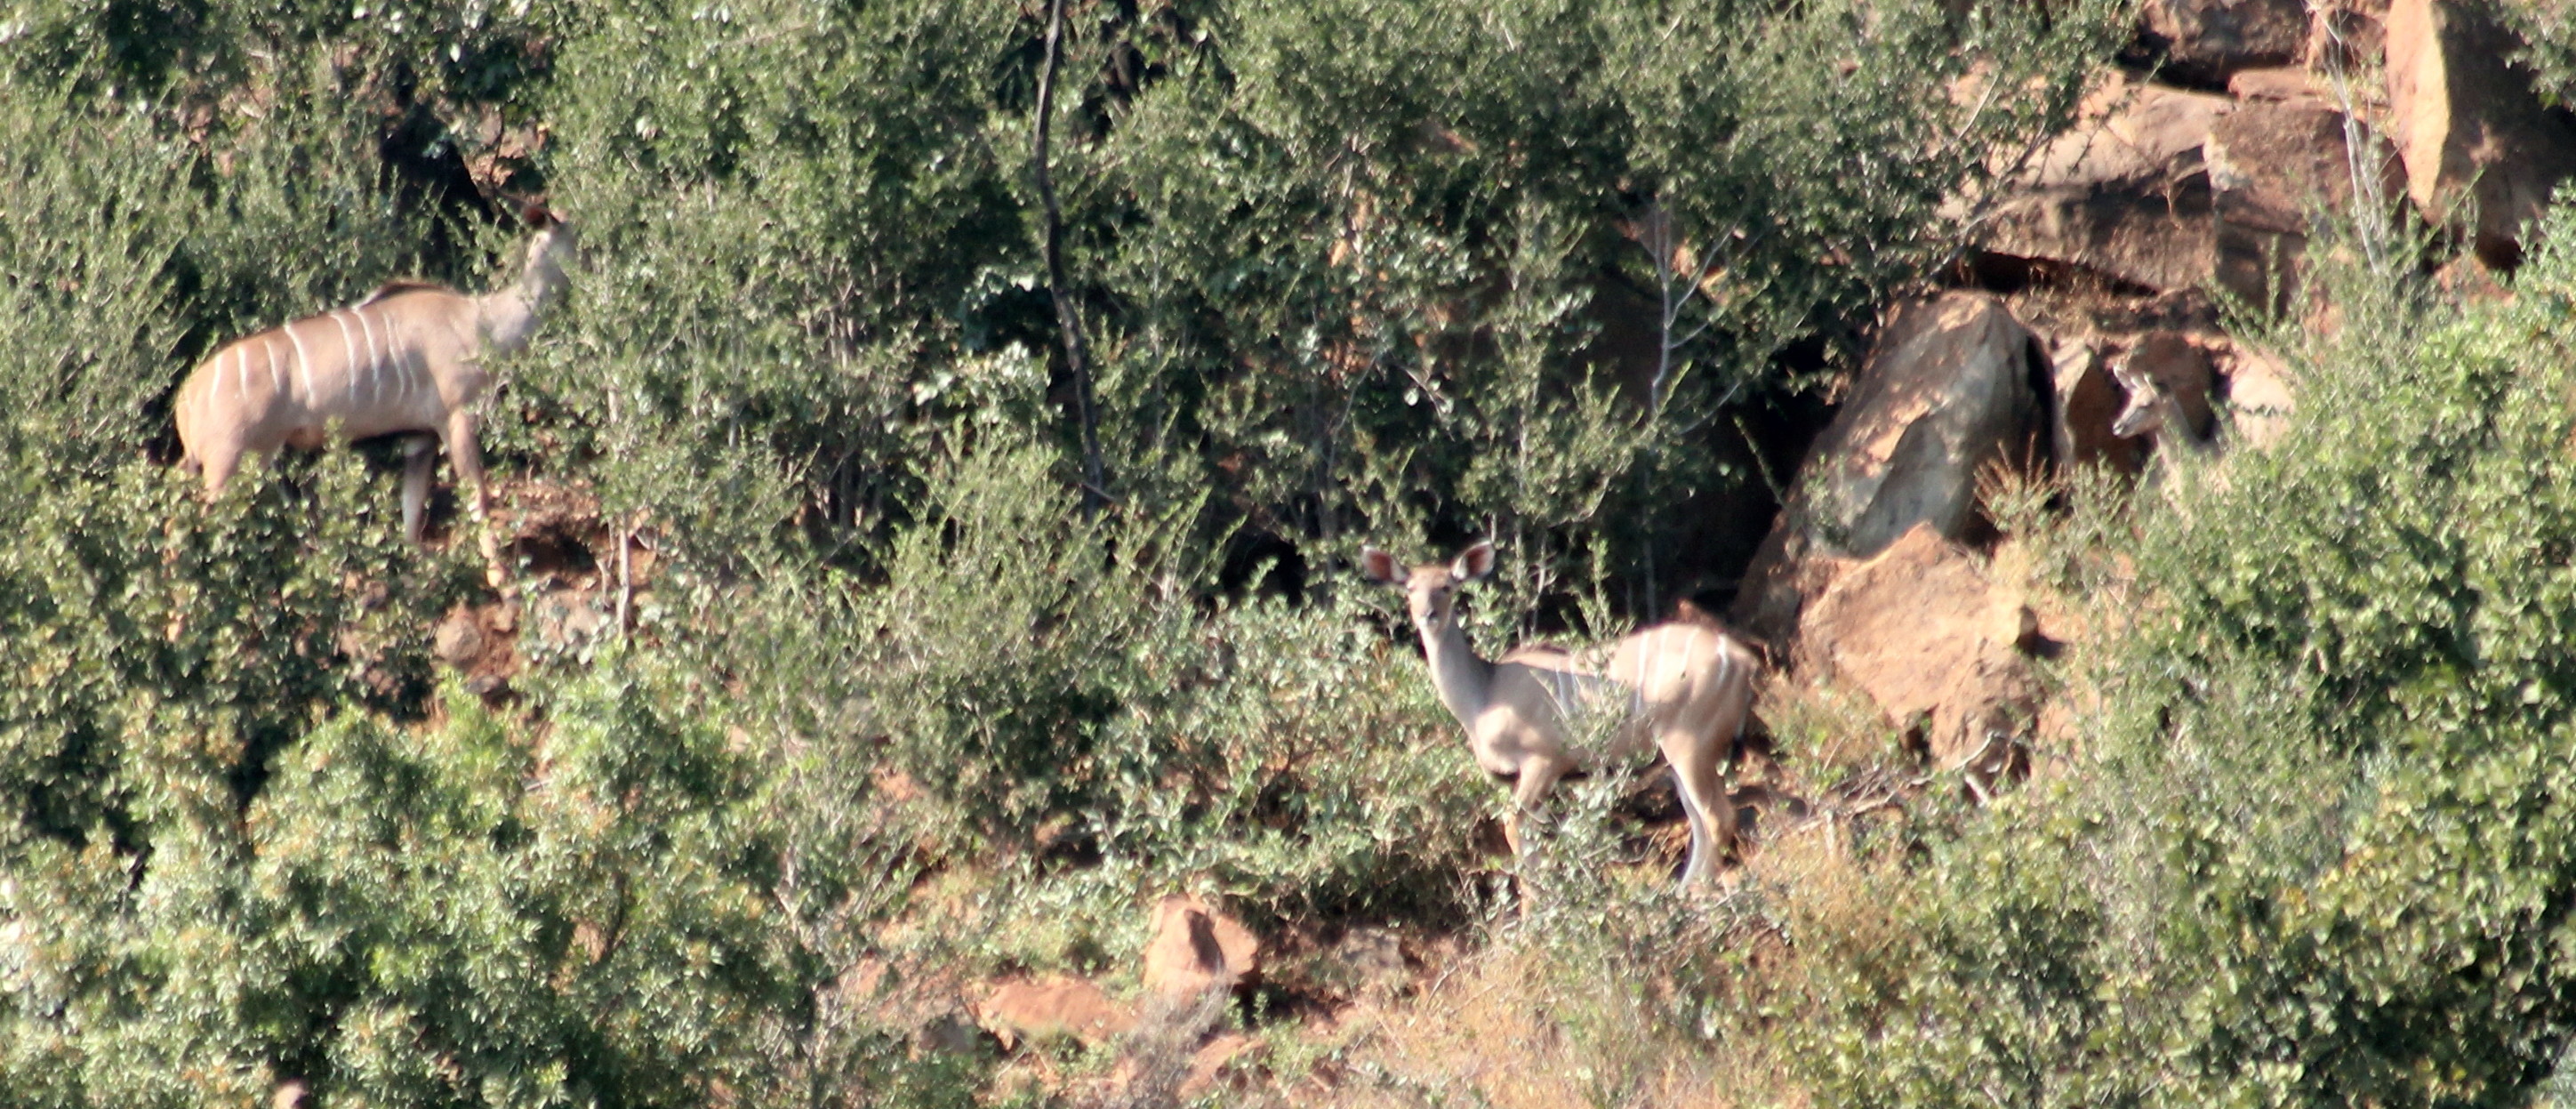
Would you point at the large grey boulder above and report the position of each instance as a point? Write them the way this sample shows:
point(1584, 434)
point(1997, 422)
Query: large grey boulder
point(1954, 385)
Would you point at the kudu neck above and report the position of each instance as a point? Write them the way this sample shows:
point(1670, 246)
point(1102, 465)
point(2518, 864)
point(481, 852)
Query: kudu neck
point(1463, 679)
point(510, 313)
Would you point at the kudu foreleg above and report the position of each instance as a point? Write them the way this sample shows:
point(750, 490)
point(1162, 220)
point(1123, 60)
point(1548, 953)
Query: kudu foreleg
point(1538, 775)
point(419, 457)
point(468, 460)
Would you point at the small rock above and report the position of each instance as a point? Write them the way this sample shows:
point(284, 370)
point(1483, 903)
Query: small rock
point(1924, 632)
point(458, 640)
point(1197, 948)
point(2259, 397)
point(1367, 961)
point(1058, 1006)
point(949, 1034)
point(2276, 83)
point(1211, 1059)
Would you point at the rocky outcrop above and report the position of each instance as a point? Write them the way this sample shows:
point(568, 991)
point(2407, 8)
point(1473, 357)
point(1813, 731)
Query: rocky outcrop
point(1924, 633)
point(2469, 128)
point(2345, 36)
point(2274, 163)
point(2124, 194)
point(2204, 41)
point(1951, 388)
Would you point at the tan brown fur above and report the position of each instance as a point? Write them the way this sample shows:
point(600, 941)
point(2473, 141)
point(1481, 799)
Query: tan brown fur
point(1683, 688)
point(408, 358)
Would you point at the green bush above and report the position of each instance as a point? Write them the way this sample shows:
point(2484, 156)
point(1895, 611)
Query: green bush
point(2319, 851)
point(1351, 268)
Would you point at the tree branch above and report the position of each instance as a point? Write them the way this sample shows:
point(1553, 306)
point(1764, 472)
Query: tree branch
point(1068, 315)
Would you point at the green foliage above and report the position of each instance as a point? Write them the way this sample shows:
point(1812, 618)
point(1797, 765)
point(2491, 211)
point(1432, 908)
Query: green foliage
point(2548, 32)
point(1390, 265)
point(2320, 853)
point(401, 918)
point(1354, 267)
point(1043, 678)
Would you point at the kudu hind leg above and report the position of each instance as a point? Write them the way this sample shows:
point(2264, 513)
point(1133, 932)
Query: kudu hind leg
point(1699, 772)
point(214, 464)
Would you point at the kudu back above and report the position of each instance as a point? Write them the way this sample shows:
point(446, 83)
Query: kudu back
point(409, 358)
point(1683, 688)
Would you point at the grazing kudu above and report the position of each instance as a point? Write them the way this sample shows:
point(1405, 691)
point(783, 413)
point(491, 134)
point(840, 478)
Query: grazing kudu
point(1686, 688)
point(409, 358)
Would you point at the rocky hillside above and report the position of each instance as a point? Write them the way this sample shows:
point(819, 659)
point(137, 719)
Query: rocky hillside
point(926, 665)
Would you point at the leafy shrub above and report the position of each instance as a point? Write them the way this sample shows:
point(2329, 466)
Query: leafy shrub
point(2319, 854)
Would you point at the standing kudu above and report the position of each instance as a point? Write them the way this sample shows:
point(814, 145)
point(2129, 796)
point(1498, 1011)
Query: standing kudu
point(1684, 688)
point(409, 358)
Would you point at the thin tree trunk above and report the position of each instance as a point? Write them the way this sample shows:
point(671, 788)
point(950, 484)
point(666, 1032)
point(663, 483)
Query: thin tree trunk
point(1068, 315)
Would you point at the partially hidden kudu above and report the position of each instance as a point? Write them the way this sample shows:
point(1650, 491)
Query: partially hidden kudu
point(408, 358)
point(2154, 409)
point(1685, 688)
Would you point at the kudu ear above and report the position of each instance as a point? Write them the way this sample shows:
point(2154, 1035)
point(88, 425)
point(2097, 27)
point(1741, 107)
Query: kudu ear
point(2130, 377)
point(1474, 562)
point(1380, 567)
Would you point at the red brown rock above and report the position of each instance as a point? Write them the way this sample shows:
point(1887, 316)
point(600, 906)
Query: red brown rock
point(1923, 632)
point(1948, 391)
point(458, 640)
point(2287, 82)
point(2260, 395)
point(2468, 126)
point(2272, 165)
point(2206, 40)
point(1210, 1061)
point(1051, 1007)
point(1197, 949)
point(2123, 194)
point(2345, 36)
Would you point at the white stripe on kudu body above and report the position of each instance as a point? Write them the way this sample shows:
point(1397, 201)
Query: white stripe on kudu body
point(1683, 688)
point(413, 331)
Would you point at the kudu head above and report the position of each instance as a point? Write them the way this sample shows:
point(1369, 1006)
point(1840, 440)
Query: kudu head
point(2150, 401)
point(557, 244)
point(1431, 589)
